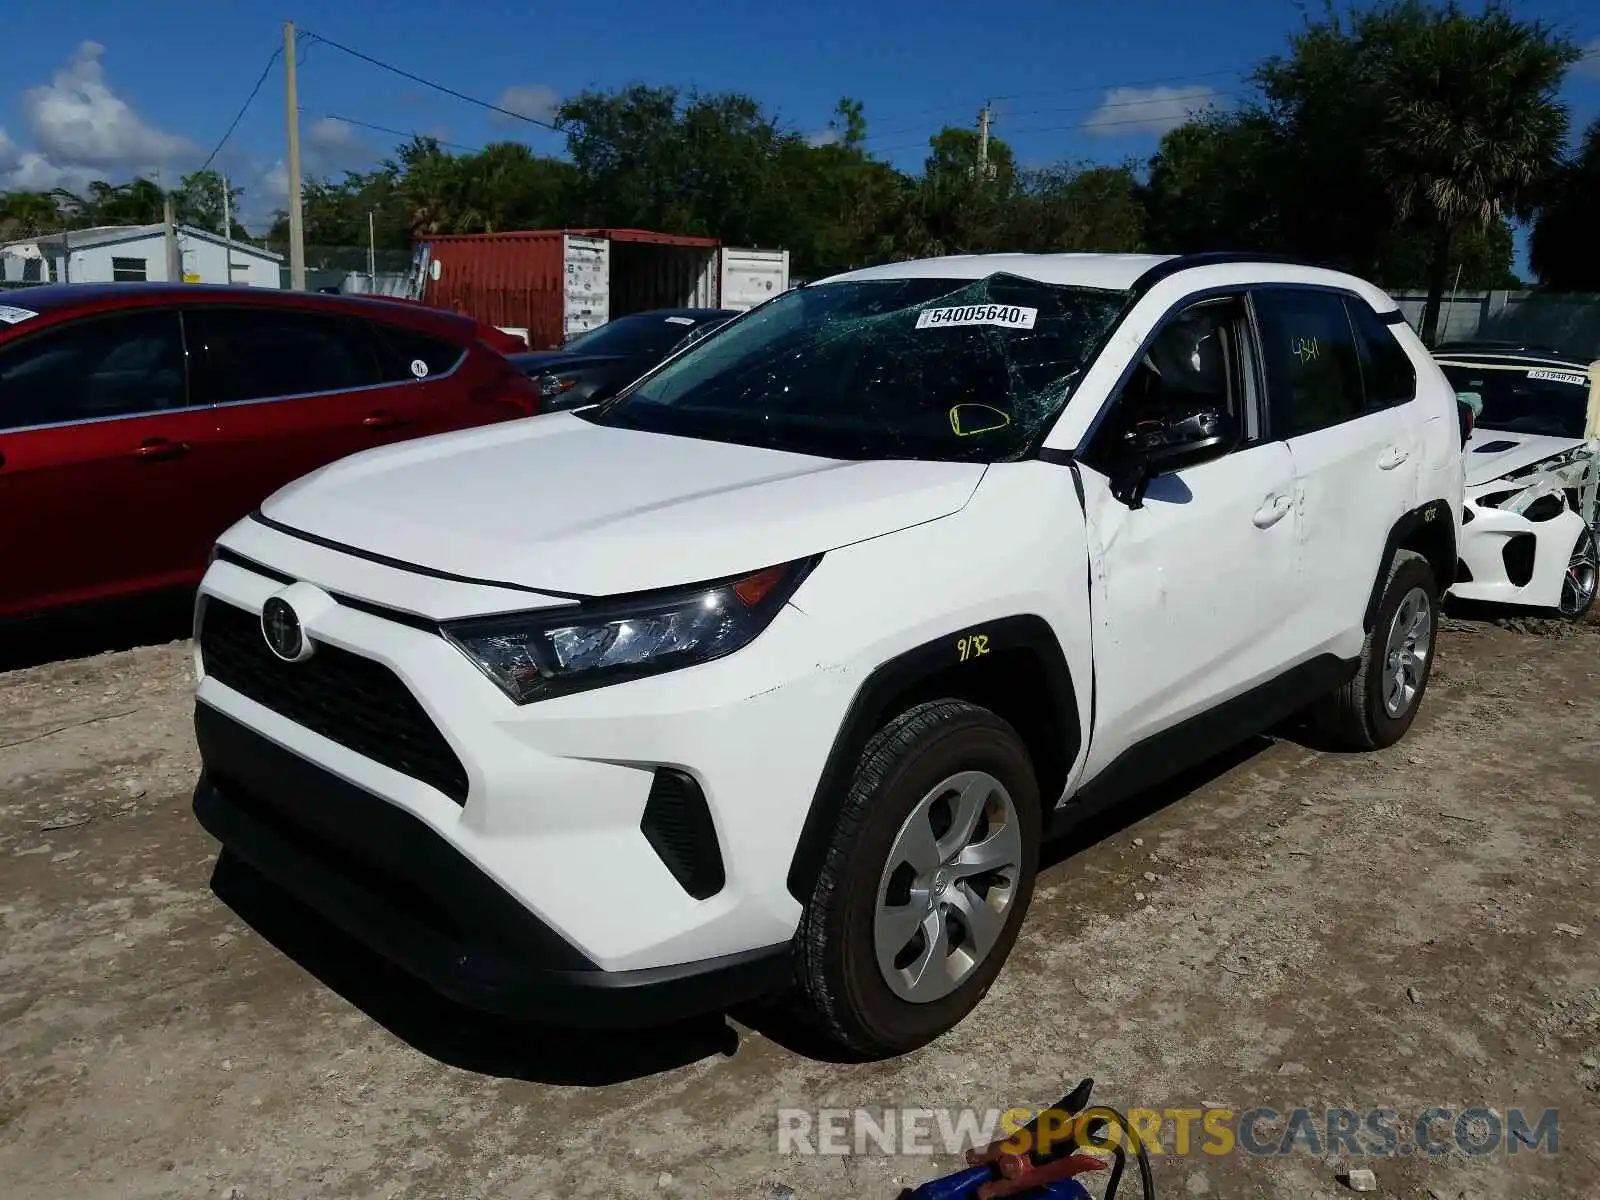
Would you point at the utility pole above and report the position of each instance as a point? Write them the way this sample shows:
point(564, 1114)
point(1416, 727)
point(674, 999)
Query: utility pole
point(227, 227)
point(169, 230)
point(372, 253)
point(297, 233)
point(983, 142)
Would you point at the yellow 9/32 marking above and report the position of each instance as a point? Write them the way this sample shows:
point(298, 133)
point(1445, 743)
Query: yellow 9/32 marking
point(972, 646)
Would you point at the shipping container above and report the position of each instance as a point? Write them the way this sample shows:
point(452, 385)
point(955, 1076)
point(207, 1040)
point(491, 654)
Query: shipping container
point(752, 277)
point(553, 284)
point(557, 283)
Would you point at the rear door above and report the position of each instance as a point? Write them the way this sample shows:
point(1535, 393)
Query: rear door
point(106, 468)
point(1355, 465)
point(429, 389)
point(296, 390)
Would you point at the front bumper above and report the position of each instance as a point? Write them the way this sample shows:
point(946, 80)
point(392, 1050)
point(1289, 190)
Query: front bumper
point(388, 880)
point(556, 793)
point(1509, 559)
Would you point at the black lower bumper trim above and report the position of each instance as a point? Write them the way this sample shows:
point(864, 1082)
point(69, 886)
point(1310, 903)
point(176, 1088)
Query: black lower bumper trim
point(388, 880)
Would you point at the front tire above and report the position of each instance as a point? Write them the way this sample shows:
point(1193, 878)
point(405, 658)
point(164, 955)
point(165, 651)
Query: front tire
point(924, 886)
point(1578, 586)
point(1376, 706)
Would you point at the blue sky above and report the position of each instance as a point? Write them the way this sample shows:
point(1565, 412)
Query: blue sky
point(103, 88)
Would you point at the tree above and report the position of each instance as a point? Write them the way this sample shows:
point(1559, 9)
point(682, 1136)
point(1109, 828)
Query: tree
point(198, 202)
point(28, 214)
point(1214, 183)
point(1564, 249)
point(1473, 124)
point(1084, 208)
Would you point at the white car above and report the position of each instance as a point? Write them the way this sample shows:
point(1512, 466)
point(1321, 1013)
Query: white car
point(1533, 476)
point(772, 672)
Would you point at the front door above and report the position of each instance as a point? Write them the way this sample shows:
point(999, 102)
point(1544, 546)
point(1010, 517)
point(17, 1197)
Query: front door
point(104, 465)
point(1190, 589)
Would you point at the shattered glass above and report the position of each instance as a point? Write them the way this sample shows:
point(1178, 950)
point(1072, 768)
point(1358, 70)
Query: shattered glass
point(961, 370)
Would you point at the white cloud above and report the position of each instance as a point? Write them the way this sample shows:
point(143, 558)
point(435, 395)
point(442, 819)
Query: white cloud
point(333, 146)
point(78, 121)
point(80, 130)
point(1589, 65)
point(1133, 111)
point(533, 100)
point(823, 137)
point(330, 135)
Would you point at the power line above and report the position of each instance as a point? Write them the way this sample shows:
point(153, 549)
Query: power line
point(1081, 126)
point(1088, 126)
point(428, 83)
point(1168, 81)
point(249, 100)
point(403, 133)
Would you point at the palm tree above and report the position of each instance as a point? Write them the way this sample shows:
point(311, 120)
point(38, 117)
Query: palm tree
point(1473, 125)
point(1564, 250)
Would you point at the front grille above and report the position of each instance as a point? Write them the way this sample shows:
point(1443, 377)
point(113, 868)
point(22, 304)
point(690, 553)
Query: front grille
point(355, 701)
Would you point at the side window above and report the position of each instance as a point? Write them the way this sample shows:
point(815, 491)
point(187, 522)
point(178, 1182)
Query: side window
point(1309, 350)
point(1387, 375)
point(263, 353)
point(409, 355)
point(114, 366)
point(1199, 363)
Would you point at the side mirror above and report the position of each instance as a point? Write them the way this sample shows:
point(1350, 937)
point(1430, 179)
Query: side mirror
point(1164, 444)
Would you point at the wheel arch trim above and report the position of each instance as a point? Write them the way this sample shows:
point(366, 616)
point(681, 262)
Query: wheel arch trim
point(1433, 522)
point(1025, 633)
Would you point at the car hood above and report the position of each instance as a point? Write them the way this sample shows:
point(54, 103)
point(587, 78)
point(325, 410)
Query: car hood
point(556, 360)
point(558, 503)
point(1491, 453)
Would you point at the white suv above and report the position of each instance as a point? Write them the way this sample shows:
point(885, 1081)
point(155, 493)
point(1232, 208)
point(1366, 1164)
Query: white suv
point(773, 672)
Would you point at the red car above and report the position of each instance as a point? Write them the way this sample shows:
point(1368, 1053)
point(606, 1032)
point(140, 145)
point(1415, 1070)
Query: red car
point(138, 421)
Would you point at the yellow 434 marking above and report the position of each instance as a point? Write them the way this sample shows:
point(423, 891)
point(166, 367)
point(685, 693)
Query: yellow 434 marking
point(972, 646)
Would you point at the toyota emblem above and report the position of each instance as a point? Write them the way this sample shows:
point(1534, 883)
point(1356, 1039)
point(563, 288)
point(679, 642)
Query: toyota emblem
point(280, 625)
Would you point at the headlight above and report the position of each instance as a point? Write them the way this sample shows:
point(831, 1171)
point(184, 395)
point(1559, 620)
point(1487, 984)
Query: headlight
point(533, 656)
point(554, 385)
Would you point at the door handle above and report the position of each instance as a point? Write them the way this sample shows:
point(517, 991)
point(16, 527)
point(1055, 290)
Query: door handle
point(382, 420)
point(160, 449)
point(1274, 510)
point(1392, 458)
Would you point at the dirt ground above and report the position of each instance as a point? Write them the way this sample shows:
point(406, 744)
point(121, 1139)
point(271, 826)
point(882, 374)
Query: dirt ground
point(1288, 929)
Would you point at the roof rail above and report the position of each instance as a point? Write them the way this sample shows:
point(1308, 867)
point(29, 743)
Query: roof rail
point(1210, 258)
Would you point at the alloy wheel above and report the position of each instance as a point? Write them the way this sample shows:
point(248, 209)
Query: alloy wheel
point(1577, 586)
point(1406, 655)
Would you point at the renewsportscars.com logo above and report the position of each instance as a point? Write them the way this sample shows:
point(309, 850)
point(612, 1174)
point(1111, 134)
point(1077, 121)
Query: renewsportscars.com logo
point(1259, 1132)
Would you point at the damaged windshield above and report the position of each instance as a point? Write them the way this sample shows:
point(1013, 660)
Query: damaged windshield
point(965, 370)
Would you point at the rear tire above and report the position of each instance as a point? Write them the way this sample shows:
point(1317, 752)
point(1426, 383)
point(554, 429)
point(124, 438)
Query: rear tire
point(942, 794)
point(1375, 707)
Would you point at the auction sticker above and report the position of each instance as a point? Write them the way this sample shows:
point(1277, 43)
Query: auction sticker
point(419, 368)
point(1560, 377)
point(11, 315)
point(1009, 316)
